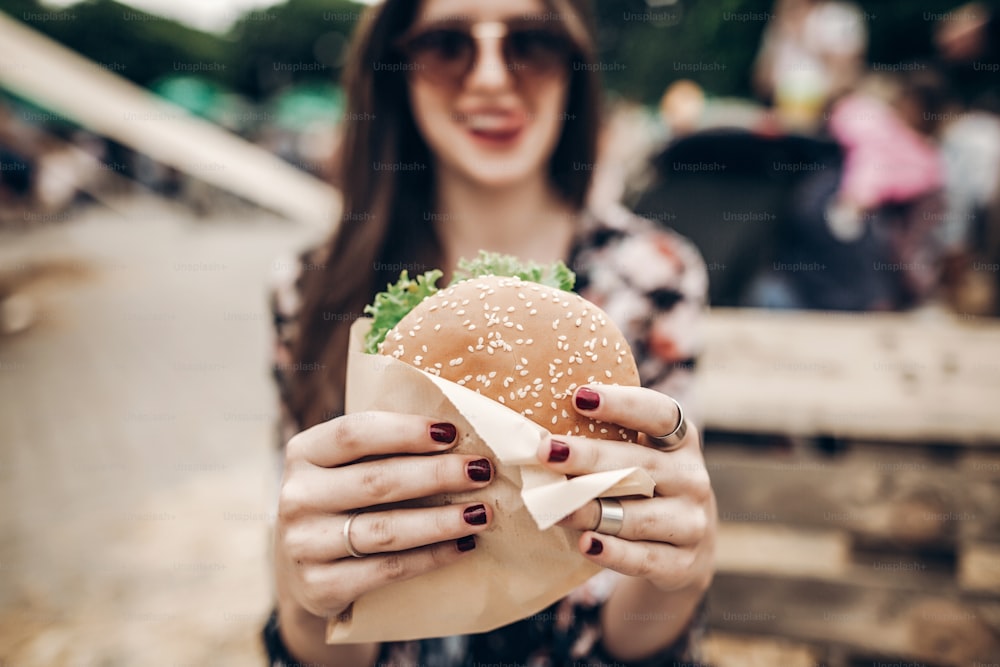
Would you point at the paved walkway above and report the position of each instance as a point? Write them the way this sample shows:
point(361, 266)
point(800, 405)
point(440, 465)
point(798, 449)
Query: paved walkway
point(136, 465)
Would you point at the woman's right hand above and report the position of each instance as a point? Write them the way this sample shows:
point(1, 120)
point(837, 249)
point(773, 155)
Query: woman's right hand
point(329, 476)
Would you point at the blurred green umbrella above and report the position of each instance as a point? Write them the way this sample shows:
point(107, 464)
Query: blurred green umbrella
point(299, 107)
point(199, 96)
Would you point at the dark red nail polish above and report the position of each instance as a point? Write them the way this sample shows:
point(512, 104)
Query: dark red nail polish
point(479, 471)
point(467, 543)
point(558, 451)
point(596, 547)
point(587, 399)
point(444, 432)
point(475, 515)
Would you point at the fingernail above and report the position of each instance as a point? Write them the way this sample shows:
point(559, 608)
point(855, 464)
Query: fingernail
point(479, 471)
point(475, 515)
point(467, 543)
point(444, 432)
point(596, 547)
point(587, 399)
point(558, 451)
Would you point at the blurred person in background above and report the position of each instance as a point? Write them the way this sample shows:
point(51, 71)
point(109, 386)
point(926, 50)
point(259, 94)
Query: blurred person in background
point(480, 125)
point(863, 234)
point(968, 45)
point(812, 51)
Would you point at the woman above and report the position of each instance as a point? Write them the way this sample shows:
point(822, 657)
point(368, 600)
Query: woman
point(476, 129)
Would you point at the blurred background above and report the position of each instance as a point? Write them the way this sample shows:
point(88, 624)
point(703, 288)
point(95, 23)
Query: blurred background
point(837, 163)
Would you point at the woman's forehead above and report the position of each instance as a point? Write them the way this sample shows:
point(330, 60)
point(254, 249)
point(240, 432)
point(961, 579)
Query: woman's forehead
point(479, 10)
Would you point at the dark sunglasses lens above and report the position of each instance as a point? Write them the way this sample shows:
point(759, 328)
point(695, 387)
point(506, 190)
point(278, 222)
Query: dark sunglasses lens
point(442, 54)
point(537, 51)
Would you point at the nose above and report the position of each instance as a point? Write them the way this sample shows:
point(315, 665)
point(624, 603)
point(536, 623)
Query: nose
point(490, 69)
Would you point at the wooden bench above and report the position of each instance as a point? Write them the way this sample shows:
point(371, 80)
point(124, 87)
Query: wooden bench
point(856, 461)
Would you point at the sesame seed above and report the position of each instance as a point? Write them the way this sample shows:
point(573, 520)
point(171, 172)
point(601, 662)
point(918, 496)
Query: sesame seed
point(554, 419)
point(460, 311)
point(455, 362)
point(593, 327)
point(500, 398)
point(607, 373)
point(437, 327)
point(555, 324)
point(528, 412)
point(523, 373)
point(533, 311)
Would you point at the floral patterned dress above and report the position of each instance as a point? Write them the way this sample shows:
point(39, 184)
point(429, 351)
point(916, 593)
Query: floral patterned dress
point(653, 284)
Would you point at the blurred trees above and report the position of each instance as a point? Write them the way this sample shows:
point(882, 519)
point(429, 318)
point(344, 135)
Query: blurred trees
point(644, 44)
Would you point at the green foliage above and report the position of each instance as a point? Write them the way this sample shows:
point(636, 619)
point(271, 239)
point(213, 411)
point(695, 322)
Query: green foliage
point(643, 45)
point(300, 40)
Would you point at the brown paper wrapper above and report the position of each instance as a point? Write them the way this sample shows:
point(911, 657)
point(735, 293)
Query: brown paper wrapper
point(523, 562)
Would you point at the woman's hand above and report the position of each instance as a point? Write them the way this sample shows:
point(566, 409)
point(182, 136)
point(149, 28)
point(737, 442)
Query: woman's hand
point(329, 475)
point(667, 540)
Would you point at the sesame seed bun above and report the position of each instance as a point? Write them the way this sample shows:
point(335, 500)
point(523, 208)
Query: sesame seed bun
point(525, 345)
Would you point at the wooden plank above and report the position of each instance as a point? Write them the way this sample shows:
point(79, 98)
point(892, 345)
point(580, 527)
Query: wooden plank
point(755, 548)
point(895, 377)
point(979, 567)
point(861, 618)
point(891, 496)
point(724, 649)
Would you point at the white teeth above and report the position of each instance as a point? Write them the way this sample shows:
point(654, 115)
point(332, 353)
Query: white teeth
point(485, 122)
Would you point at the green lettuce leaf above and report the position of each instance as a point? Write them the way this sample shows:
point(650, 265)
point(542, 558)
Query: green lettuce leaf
point(392, 305)
point(556, 275)
point(400, 298)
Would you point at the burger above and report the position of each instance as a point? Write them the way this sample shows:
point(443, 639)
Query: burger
point(510, 331)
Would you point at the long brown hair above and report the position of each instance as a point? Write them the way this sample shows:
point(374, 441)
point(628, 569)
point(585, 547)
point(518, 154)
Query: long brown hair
point(385, 221)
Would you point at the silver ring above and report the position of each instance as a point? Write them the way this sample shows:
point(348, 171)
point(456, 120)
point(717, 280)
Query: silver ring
point(347, 537)
point(675, 438)
point(612, 516)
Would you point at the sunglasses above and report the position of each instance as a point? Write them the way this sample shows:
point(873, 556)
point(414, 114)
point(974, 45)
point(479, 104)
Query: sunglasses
point(445, 53)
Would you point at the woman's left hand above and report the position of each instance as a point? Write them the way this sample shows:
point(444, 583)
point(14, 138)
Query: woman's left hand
point(667, 539)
